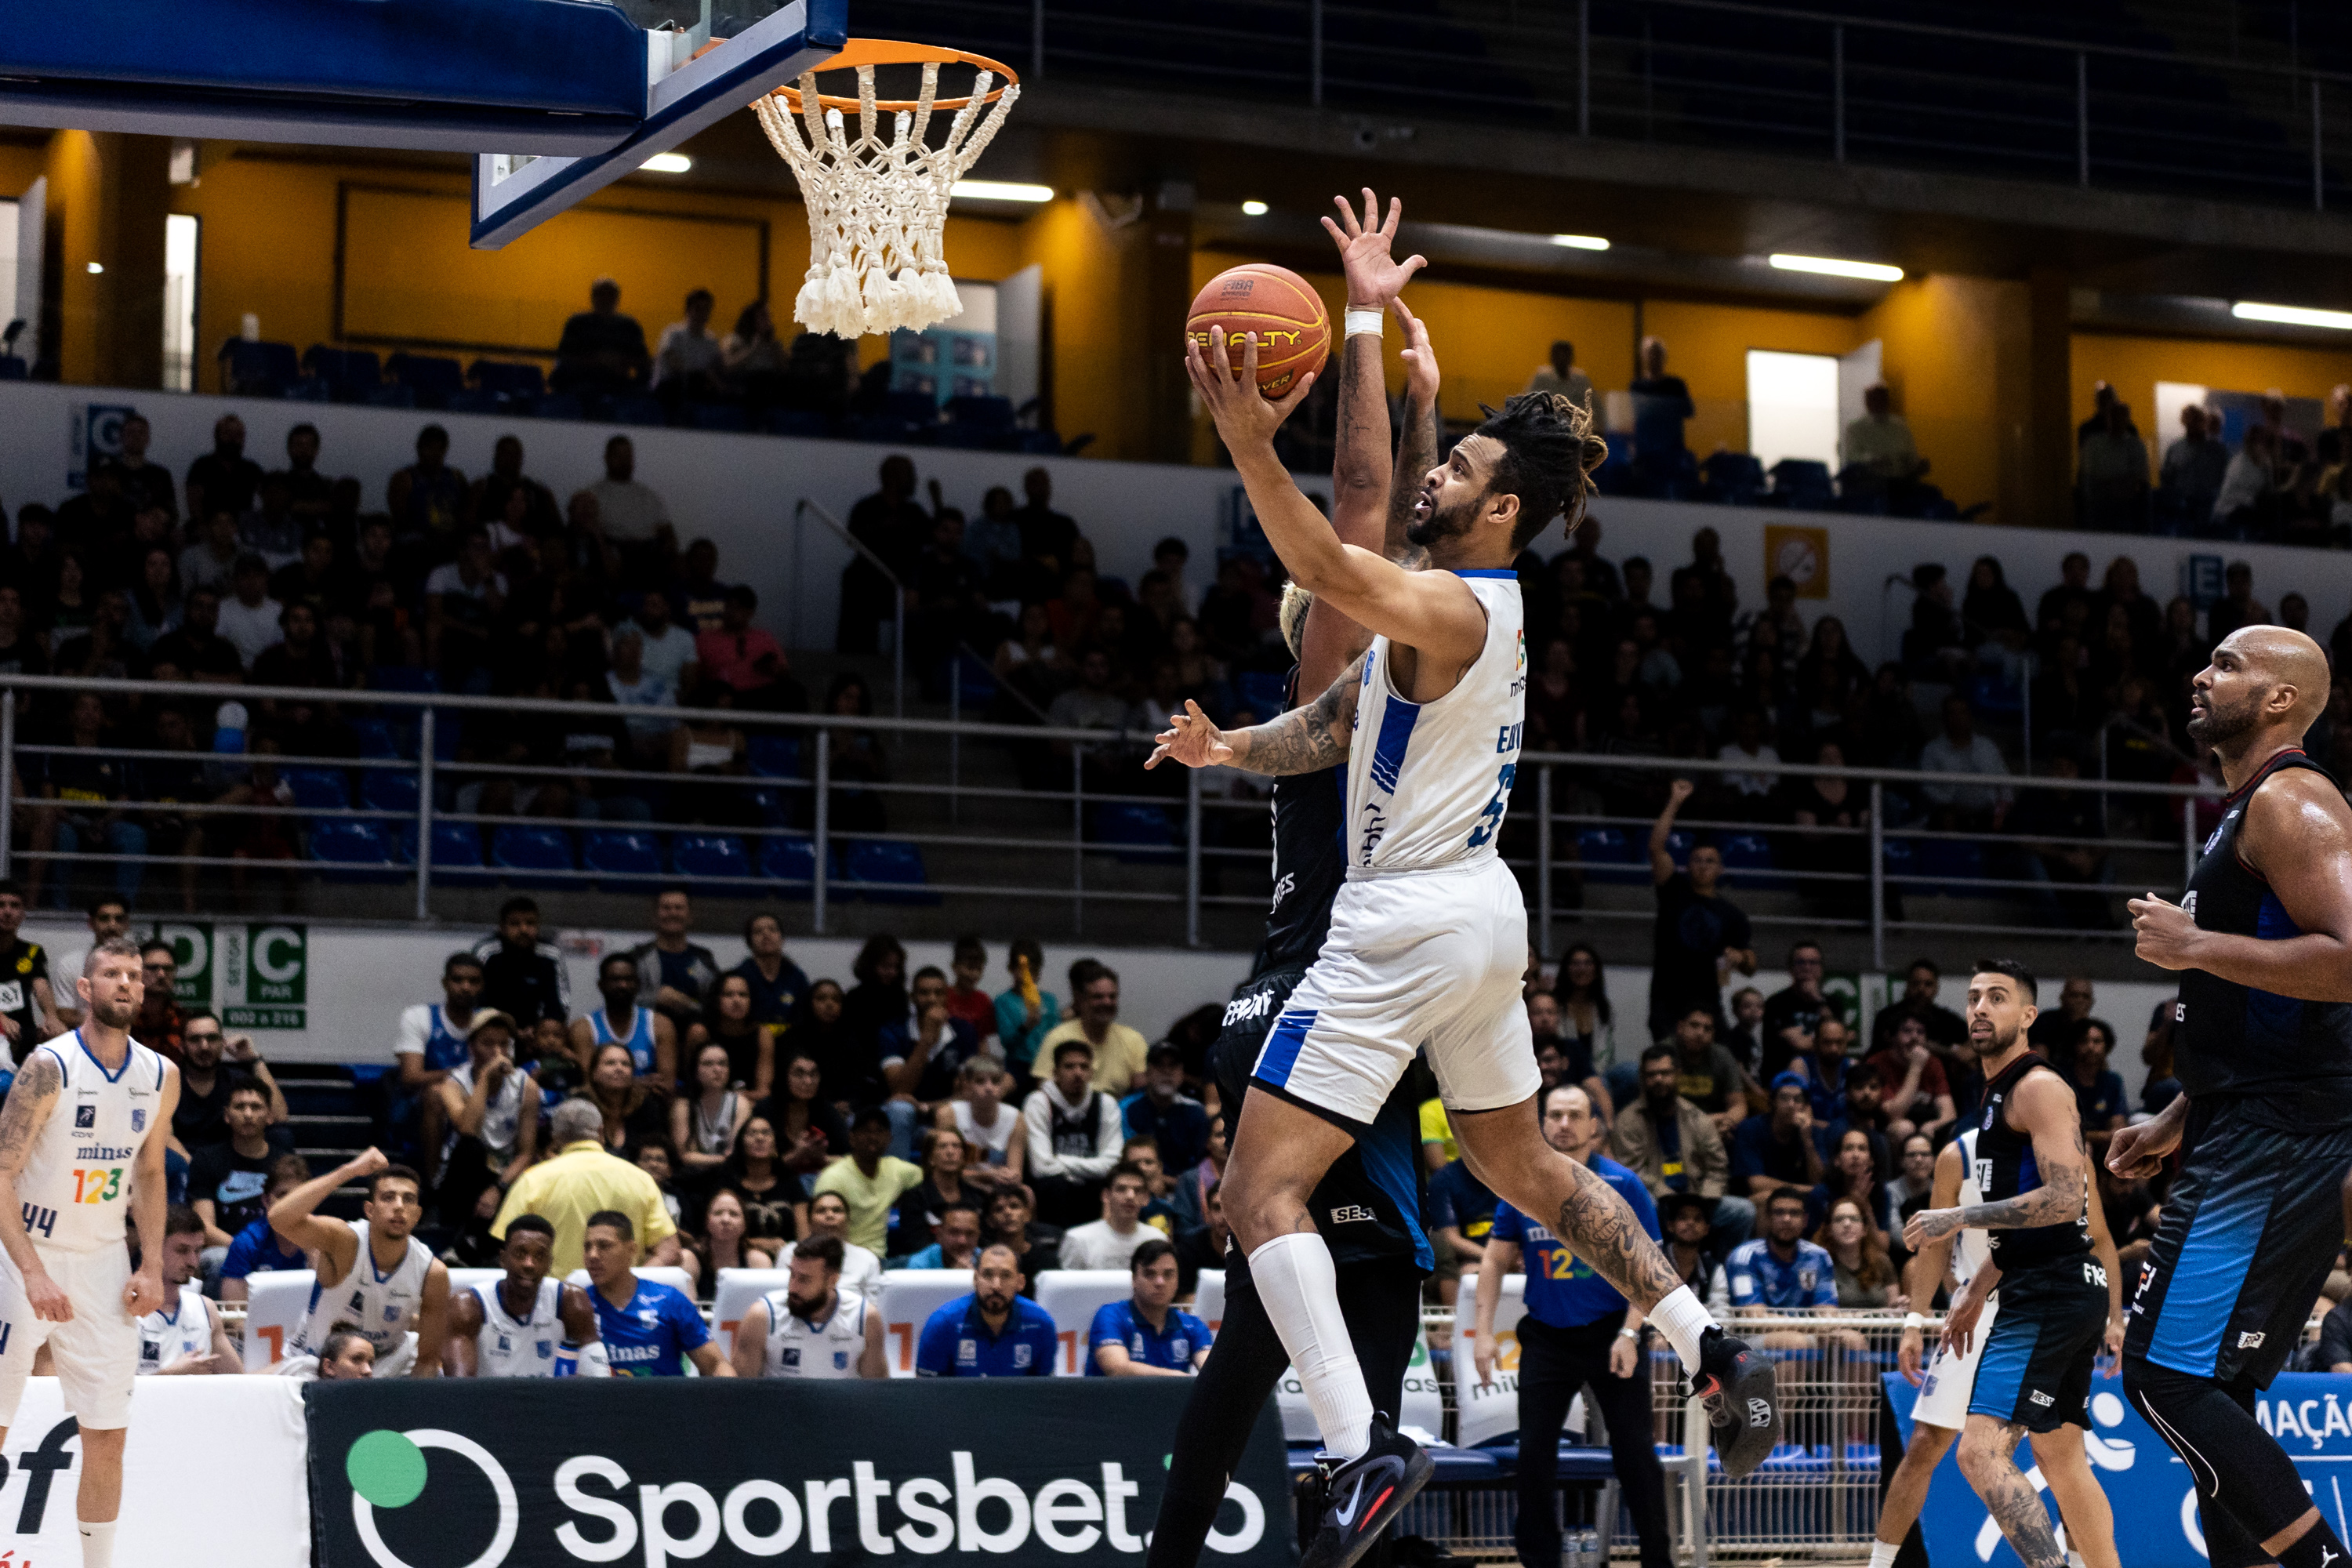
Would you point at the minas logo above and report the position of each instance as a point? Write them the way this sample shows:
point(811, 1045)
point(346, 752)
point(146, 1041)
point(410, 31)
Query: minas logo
point(610, 1517)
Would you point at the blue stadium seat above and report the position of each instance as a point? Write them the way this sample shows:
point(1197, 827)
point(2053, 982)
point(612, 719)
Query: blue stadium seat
point(1141, 834)
point(388, 789)
point(1962, 861)
point(726, 417)
point(1900, 858)
point(359, 851)
point(347, 374)
point(793, 860)
point(1609, 855)
point(473, 400)
point(558, 406)
point(887, 871)
point(506, 380)
point(391, 396)
point(708, 855)
point(1993, 694)
point(1733, 478)
point(432, 377)
point(13, 368)
point(545, 850)
point(620, 852)
point(1261, 692)
point(402, 678)
point(797, 422)
point(456, 852)
point(978, 687)
point(772, 755)
point(259, 369)
point(376, 736)
point(1749, 857)
point(979, 423)
point(1804, 484)
point(638, 410)
point(318, 789)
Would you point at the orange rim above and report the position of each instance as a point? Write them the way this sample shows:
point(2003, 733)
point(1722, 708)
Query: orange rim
point(888, 52)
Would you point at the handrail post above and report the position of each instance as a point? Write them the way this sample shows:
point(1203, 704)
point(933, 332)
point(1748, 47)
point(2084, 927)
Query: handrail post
point(7, 779)
point(955, 736)
point(2083, 118)
point(1077, 837)
point(1314, 52)
point(425, 759)
point(1192, 856)
point(1584, 67)
point(1837, 89)
point(1878, 875)
point(1543, 861)
point(823, 826)
point(1036, 41)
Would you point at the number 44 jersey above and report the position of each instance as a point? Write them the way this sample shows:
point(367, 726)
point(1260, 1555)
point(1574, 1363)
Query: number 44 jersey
point(75, 1187)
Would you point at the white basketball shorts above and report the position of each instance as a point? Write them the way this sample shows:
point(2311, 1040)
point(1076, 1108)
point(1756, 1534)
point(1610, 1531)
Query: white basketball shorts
point(1414, 958)
point(1951, 1379)
point(96, 1354)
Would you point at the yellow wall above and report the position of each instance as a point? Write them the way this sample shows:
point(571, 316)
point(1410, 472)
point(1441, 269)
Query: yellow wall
point(19, 167)
point(74, 171)
point(1954, 357)
point(1708, 346)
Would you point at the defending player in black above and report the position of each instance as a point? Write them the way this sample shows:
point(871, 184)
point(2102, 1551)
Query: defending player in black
point(1368, 1206)
point(2262, 1045)
point(2034, 1173)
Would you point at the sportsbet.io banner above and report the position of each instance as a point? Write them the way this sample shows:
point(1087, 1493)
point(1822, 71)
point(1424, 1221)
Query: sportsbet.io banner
point(727, 1473)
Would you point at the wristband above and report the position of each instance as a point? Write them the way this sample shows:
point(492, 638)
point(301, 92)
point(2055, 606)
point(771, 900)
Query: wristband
point(1629, 1334)
point(1355, 319)
point(1913, 1321)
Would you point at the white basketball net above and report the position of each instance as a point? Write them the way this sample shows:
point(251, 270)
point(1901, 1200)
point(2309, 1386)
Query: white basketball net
point(877, 208)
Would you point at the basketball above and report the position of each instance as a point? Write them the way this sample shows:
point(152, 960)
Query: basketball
point(1294, 329)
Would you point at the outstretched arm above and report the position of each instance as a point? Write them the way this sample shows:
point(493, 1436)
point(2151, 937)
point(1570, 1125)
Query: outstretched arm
point(1662, 862)
point(1301, 741)
point(295, 1216)
point(2044, 1107)
point(2298, 838)
point(1416, 452)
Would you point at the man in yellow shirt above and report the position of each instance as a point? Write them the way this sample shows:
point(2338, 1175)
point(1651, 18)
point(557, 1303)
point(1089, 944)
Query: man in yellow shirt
point(869, 1180)
point(1119, 1051)
point(584, 1178)
point(1438, 1149)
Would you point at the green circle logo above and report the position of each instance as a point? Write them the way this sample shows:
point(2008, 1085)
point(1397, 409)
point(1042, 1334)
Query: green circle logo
point(387, 1468)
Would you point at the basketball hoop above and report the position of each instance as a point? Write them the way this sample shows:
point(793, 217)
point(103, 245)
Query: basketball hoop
point(877, 202)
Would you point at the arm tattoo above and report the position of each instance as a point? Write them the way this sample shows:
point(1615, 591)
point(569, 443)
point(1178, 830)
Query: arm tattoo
point(1308, 739)
point(2017, 1508)
point(2056, 1201)
point(35, 1085)
point(1416, 455)
point(1597, 1224)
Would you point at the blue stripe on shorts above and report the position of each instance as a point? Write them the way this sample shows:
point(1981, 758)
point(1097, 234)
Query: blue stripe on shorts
point(1283, 1043)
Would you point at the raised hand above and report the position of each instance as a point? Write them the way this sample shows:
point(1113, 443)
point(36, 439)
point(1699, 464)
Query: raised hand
point(1245, 419)
point(1190, 740)
point(1374, 277)
point(1420, 360)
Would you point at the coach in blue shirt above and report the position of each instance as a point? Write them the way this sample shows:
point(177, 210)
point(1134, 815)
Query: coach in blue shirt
point(1577, 1332)
point(996, 1331)
point(1147, 1335)
point(649, 1329)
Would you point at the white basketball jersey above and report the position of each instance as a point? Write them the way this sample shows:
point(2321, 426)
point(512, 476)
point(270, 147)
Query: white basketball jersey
point(1428, 782)
point(380, 1308)
point(76, 1188)
point(186, 1329)
point(502, 1118)
point(1970, 1248)
point(800, 1348)
point(506, 1348)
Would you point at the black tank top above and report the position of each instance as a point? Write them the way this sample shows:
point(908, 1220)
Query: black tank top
point(2232, 1039)
point(2005, 1168)
point(1072, 1134)
point(1309, 864)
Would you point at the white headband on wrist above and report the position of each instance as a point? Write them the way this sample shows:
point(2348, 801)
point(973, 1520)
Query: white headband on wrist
point(1355, 321)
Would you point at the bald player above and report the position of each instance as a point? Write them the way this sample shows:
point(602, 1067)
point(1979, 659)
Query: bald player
point(2262, 1045)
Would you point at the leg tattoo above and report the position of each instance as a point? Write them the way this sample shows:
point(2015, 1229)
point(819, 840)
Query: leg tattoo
point(2016, 1506)
point(1599, 1227)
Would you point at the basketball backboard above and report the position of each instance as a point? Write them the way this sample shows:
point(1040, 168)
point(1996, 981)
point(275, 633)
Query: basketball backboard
point(553, 99)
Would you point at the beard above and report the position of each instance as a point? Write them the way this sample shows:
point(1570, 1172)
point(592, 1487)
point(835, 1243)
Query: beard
point(114, 1015)
point(1999, 1044)
point(804, 1308)
point(1441, 524)
point(2218, 726)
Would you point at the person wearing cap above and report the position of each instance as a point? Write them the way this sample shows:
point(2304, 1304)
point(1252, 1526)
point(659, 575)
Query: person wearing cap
point(1673, 1147)
point(481, 1122)
point(1689, 1238)
point(1776, 1149)
point(1161, 1111)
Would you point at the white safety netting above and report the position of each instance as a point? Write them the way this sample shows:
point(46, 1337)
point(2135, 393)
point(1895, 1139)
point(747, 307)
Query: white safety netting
point(879, 206)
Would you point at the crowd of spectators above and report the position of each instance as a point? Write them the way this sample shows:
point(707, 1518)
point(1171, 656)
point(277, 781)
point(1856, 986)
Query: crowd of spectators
point(2274, 485)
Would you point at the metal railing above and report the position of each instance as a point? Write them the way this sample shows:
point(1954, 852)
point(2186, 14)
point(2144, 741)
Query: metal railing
point(1089, 826)
point(2148, 106)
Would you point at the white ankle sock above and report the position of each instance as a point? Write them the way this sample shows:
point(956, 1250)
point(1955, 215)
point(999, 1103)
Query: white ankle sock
point(1882, 1555)
point(1300, 1288)
point(96, 1544)
point(1681, 1318)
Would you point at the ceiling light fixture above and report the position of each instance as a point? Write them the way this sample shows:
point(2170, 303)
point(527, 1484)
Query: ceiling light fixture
point(1252, 209)
point(1001, 191)
point(1581, 241)
point(2293, 315)
point(667, 163)
point(1876, 271)
point(97, 266)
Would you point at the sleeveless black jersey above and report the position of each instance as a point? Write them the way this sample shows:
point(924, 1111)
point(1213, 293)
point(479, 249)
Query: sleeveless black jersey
point(2232, 1039)
point(2005, 1168)
point(1309, 864)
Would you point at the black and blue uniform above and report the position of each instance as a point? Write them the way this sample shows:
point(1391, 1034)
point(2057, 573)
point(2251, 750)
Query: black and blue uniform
point(2253, 1221)
point(2036, 1366)
point(1368, 1206)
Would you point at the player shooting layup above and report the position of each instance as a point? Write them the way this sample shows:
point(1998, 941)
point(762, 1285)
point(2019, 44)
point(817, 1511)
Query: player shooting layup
point(1428, 935)
point(79, 1150)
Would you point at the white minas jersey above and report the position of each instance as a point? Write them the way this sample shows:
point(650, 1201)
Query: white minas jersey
point(75, 1187)
point(801, 1349)
point(184, 1329)
point(380, 1308)
point(506, 1348)
point(1972, 1249)
point(1428, 782)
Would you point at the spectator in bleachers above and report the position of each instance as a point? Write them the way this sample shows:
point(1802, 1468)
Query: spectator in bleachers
point(703, 1122)
point(844, 1057)
point(1960, 750)
point(223, 480)
point(1074, 1135)
point(1676, 1147)
point(993, 1131)
point(966, 999)
point(727, 1022)
point(2248, 494)
point(1691, 1248)
point(774, 1197)
point(688, 359)
point(1160, 1110)
point(2120, 589)
point(1661, 403)
point(1855, 1168)
point(1830, 674)
point(1866, 1278)
point(869, 1179)
point(1160, 1209)
point(1922, 983)
point(427, 499)
point(155, 599)
point(431, 1041)
point(992, 541)
point(1880, 443)
point(1699, 932)
point(994, 1331)
point(2112, 472)
point(1560, 374)
point(462, 601)
point(309, 494)
point(1201, 1245)
point(1458, 1212)
point(778, 984)
point(631, 515)
point(1147, 1335)
point(748, 661)
point(1757, 758)
point(724, 1242)
point(311, 578)
point(631, 685)
point(633, 1107)
point(602, 351)
point(102, 650)
point(345, 1355)
point(1794, 1011)
point(955, 1242)
point(914, 1218)
point(2194, 466)
point(2099, 1088)
point(1913, 1186)
point(674, 971)
point(861, 1270)
point(487, 497)
point(1779, 1271)
point(1011, 1224)
point(83, 792)
point(257, 1249)
point(1119, 1051)
point(1049, 540)
point(249, 619)
point(211, 1067)
point(1824, 1069)
point(2237, 607)
point(1588, 1022)
point(893, 526)
point(147, 485)
point(523, 976)
point(698, 598)
point(648, 1039)
point(583, 1178)
point(922, 1052)
point(227, 1175)
point(810, 1131)
point(1915, 1094)
point(1776, 1149)
point(2073, 589)
point(481, 1124)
